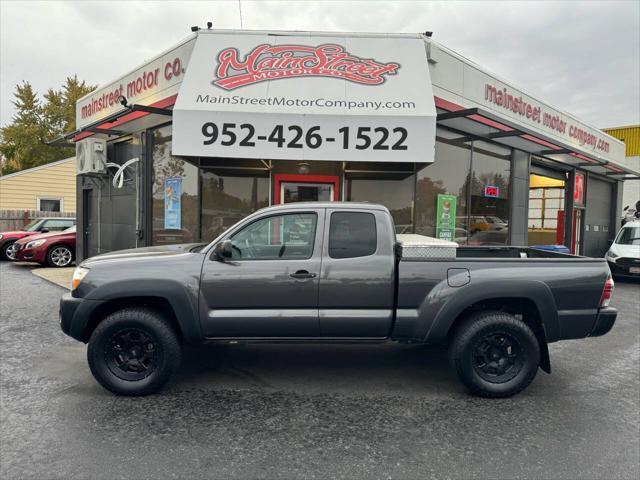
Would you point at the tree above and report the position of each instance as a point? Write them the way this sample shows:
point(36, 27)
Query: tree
point(23, 141)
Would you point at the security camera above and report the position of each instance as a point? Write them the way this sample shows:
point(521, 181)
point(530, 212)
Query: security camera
point(122, 100)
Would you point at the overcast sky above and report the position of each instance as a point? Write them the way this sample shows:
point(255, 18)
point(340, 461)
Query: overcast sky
point(583, 58)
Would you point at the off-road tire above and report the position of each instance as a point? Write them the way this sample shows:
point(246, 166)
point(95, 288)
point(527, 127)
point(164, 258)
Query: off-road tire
point(468, 341)
point(146, 323)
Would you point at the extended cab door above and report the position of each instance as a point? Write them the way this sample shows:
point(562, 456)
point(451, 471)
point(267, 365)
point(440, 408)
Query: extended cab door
point(357, 274)
point(269, 288)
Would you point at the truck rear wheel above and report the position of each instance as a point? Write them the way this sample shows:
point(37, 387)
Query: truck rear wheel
point(134, 352)
point(494, 354)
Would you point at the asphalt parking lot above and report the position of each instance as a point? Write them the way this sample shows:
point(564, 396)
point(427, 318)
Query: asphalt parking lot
point(311, 411)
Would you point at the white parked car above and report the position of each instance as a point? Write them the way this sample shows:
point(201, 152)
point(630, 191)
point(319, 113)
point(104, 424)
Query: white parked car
point(624, 254)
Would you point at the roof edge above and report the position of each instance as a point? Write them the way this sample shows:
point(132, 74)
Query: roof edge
point(35, 169)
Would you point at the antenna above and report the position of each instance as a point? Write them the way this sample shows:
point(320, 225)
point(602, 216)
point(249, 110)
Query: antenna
point(240, 9)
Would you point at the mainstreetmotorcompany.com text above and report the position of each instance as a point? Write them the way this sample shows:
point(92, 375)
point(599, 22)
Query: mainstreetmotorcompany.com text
point(304, 102)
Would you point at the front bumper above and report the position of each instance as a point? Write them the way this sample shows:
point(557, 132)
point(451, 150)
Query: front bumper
point(604, 321)
point(75, 314)
point(622, 270)
point(30, 255)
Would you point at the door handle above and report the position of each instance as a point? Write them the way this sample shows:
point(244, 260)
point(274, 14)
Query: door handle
point(302, 274)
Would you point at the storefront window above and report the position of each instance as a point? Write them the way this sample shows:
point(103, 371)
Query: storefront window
point(446, 176)
point(174, 187)
point(546, 210)
point(227, 199)
point(489, 207)
point(395, 194)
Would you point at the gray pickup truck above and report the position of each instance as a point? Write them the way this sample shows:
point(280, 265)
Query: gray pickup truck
point(333, 272)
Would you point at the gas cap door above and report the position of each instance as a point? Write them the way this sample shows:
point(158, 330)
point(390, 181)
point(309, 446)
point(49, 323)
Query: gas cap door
point(458, 277)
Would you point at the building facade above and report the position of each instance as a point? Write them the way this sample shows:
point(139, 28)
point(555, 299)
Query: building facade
point(228, 122)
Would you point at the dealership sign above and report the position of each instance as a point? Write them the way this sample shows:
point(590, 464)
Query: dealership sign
point(342, 98)
point(155, 81)
point(271, 62)
point(536, 117)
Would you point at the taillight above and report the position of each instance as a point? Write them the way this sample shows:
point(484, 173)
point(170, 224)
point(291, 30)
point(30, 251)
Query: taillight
point(607, 291)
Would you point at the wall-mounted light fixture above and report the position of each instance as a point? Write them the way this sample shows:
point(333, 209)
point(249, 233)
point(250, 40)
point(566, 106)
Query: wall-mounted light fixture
point(303, 168)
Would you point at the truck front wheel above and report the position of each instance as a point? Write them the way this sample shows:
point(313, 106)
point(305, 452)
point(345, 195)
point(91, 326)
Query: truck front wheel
point(134, 352)
point(494, 354)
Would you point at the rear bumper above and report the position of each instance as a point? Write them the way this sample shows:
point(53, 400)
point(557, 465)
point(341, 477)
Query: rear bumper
point(604, 321)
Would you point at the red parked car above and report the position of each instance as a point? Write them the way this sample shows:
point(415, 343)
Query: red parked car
point(39, 225)
point(55, 249)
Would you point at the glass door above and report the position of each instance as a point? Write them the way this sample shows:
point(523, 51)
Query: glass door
point(306, 192)
point(305, 188)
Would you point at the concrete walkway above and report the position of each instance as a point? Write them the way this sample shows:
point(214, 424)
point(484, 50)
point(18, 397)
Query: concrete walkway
point(59, 276)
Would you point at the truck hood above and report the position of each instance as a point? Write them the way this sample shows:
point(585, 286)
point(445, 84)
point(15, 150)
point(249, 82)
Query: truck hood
point(160, 251)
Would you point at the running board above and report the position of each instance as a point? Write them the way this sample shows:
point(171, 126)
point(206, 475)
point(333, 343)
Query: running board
point(319, 340)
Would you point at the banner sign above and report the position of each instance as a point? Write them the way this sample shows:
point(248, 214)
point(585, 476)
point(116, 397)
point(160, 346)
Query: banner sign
point(173, 203)
point(578, 189)
point(483, 89)
point(156, 80)
point(446, 217)
point(301, 97)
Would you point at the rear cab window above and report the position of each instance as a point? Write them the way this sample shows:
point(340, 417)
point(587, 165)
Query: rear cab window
point(352, 234)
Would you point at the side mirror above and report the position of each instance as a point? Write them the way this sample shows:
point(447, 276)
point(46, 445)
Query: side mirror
point(44, 230)
point(609, 243)
point(223, 250)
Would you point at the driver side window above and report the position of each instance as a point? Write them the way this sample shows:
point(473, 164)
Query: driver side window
point(282, 237)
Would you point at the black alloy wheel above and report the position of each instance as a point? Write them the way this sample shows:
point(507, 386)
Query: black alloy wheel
point(495, 354)
point(134, 351)
point(131, 354)
point(497, 357)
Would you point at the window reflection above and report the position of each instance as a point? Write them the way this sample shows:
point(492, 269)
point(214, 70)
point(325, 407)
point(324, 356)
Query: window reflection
point(227, 199)
point(395, 194)
point(447, 175)
point(174, 190)
point(489, 209)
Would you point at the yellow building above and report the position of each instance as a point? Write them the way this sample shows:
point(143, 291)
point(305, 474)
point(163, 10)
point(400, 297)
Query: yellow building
point(630, 135)
point(50, 187)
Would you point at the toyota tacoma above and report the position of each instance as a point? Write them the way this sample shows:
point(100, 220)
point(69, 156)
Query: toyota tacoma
point(334, 272)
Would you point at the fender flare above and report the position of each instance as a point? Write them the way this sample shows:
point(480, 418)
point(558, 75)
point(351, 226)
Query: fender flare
point(462, 298)
point(184, 305)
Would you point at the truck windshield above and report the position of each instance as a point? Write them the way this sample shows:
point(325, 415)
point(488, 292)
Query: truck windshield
point(629, 236)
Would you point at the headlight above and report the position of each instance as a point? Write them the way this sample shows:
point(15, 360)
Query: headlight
point(78, 274)
point(610, 254)
point(0, 236)
point(35, 243)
